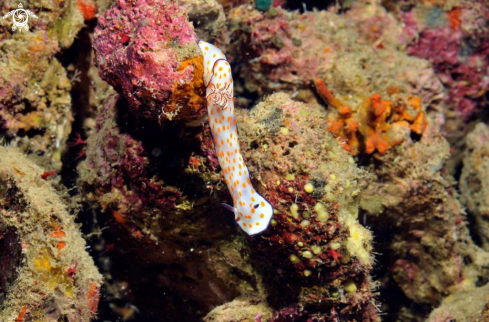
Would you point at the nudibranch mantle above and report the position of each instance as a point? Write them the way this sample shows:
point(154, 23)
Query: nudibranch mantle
point(252, 211)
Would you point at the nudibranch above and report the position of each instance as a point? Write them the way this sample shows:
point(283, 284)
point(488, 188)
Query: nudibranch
point(252, 211)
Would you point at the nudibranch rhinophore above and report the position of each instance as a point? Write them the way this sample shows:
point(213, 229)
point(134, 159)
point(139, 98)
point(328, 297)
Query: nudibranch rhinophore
point(252, 211)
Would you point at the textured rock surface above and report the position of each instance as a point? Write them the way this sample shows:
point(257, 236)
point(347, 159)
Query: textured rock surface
point(356, 54)
point(152, 189)
point(455, 38)
point(147, 51)
point(207, 16)
point(245, 309)
point(470, 306)
point(474, 182)
point(46, 271)
point(323, 253)
point(35, 102)
point(421, 222)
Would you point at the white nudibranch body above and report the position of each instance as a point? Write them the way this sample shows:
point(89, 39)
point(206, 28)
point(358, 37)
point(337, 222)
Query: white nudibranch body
point(252, 211)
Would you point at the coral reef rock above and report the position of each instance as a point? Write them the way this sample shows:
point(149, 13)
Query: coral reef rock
point(46, 272)
point(35, 102)
point(147, 51)
point(207, 16)
point(454, 38)
point(423, 226)
point(474, 182)
point(246, 309)
point(315, 242)
point(470, 306)
point(354, 54)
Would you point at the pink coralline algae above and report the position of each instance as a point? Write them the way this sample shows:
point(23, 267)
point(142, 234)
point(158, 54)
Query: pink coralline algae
point(147, 50)
point(457, 43)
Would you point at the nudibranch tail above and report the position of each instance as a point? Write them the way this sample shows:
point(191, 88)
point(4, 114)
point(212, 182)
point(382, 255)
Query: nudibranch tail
point(252, 212)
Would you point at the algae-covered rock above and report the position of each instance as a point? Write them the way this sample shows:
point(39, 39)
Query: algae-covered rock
point(207, 16)
point(48, 275)
point(356, 54)
point(474, 182)
point(35, 102)
point(245, 309)
point(417, 213)
point(315, 242)
point(470, 306)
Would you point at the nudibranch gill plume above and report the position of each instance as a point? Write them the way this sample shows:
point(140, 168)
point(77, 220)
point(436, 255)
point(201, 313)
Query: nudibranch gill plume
point(251, 210)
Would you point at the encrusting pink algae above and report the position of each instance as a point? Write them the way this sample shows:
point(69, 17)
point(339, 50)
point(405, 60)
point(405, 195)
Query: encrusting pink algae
point(149, 53)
